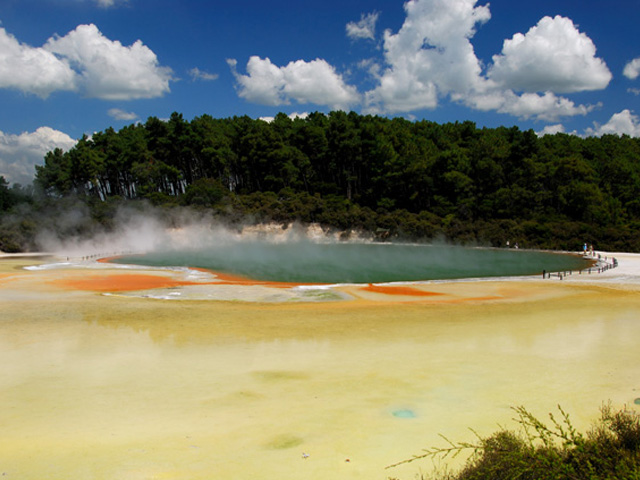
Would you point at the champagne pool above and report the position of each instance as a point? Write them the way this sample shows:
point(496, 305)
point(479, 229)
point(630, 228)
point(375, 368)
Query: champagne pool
point(305, 261)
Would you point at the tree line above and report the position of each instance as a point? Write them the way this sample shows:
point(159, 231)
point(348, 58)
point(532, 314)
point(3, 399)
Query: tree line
point(415, 179)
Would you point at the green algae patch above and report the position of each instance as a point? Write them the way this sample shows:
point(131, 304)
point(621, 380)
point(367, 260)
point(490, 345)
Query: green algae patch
point(284, 442)
point(279, 375)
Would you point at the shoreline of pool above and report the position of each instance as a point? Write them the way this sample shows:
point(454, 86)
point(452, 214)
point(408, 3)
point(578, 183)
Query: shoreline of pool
point(94, 274)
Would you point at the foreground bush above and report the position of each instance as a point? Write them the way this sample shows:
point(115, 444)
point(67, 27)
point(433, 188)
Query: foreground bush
point(609, 450)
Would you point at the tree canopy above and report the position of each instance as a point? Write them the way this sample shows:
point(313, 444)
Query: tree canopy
point(415, 179)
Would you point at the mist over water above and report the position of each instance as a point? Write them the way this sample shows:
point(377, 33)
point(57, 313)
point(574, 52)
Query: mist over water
point(306, 261)
point(293, 253)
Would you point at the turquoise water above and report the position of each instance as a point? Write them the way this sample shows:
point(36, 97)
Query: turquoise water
point(404, 413)
point(308, 262)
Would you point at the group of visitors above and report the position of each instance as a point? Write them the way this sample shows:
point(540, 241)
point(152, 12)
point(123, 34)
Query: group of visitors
point(588, 250)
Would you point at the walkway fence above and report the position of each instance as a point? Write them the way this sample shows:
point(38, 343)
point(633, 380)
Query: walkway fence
point(601, 265)
point(96, 256)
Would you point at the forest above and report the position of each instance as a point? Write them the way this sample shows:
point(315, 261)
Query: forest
point(394, 178)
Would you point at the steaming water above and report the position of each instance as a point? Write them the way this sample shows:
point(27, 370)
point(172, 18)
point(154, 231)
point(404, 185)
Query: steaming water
point(308, 262)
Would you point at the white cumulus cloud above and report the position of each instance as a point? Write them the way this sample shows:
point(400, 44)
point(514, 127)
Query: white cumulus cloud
point(19, 154)
point(551, 130)
point(432, 58)
point(547, 106)
point(552, 56)
point(292, 116)
point(110, 70)
point(632, 69)
point(314, 82)
point(83, 60)
point(622, 123)
point(365, 28)
point(119, 114)
point(32, 70)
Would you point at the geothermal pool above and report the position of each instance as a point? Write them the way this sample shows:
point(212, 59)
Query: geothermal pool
point(310, 262)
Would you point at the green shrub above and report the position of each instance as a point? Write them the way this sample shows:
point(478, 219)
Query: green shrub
point(609, 450)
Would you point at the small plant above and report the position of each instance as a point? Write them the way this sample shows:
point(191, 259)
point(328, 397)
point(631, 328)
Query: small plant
point(610, 450)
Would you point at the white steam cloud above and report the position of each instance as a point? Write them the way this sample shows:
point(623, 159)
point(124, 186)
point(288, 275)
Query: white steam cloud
point(147, 230)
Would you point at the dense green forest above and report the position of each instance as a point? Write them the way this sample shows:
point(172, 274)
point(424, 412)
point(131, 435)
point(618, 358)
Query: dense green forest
point(412, 180)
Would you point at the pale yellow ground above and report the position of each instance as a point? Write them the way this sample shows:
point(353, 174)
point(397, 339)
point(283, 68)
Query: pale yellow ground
point(120, 387)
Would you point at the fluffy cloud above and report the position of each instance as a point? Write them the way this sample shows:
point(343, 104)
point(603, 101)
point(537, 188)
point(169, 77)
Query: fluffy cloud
point(551, 130)
point(632, 69)
point(19, 154)
point(109, 70)
point(197, 74)
point(547, 106)
point(365, 28)
point(430, 56)
point(292, 116)
point(305, 82)
point(32, 70)
point(83, 60)
point(622, 123)
point(552, 56)
point(119, 114)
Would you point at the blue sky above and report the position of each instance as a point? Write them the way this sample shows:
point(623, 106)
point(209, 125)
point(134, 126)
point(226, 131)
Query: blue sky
point(70, 67)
